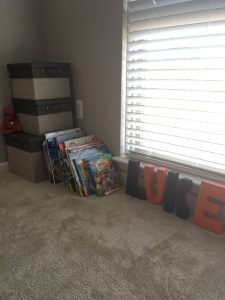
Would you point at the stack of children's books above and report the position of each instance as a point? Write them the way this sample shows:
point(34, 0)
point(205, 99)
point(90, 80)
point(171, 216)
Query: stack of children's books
point(81, 161)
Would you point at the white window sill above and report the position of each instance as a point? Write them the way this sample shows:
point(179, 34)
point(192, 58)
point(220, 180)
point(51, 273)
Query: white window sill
point(122, 162)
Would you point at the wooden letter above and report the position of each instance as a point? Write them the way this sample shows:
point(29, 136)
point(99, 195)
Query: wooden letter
point(206, 208)
point(155, 196)
point(171, 191)
point(182, 210)
point(132, 177)
point(132, 188)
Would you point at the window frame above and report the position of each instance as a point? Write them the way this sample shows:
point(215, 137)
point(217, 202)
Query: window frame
point(171, 164)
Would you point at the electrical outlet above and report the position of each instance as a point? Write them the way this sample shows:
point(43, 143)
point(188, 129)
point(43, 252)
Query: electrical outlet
point(79, 110)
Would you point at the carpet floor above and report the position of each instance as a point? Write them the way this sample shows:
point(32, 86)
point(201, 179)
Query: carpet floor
point(56, 245)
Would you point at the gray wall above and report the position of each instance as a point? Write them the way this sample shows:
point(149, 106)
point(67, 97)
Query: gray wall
point(21, 39)
point(88, 34)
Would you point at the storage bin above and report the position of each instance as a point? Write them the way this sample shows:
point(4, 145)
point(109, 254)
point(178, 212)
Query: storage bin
point(40, 81)
point(42, 116)
point(25, 156)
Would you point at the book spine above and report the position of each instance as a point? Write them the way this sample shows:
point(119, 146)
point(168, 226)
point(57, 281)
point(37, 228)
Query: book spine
point(63, 166)
point(47, 161)
point(54, 160)
point(74, 175)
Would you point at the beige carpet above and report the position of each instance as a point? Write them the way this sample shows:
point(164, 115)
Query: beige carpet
point(54, 245)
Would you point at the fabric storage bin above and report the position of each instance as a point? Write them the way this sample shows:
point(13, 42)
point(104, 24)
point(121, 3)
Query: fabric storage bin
point(42, 116)
point(25, 156)
point(38, 81)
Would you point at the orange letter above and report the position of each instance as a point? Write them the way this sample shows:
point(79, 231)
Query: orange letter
point(204, 207)
point(153, 196)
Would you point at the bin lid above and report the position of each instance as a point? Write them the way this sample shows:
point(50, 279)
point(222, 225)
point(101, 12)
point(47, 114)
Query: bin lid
point(24, 141)
point(37, 65)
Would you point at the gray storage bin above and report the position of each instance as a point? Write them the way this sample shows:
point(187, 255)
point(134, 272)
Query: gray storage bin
point(25, 156)
point(39, 117)
point(46, 123)
point(37, 81)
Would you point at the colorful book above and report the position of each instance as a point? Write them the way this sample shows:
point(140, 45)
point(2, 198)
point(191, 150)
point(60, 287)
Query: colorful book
point(103, 174)
point(63, 132)
point(54, 160)
point(52, 141)
point(77, 156)
point(47, 161)
point(80, 141)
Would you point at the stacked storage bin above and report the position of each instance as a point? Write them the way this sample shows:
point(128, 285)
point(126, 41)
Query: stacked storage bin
point(43, 103)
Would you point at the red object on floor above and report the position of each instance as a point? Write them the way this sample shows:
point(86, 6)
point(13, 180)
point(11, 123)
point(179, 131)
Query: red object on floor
point(207, 212)
point(10, 123)
point(155, 194)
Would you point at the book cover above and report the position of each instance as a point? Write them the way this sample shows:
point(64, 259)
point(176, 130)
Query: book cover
point(80, 141)
point(62, 132)
point(54, 160)
point(52, 142)
point(73, 172)
point(47, 161)
point(77, 156)
point(103, 174)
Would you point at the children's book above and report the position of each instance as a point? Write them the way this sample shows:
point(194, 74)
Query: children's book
point(102, 173)
point(73, 176)
point(77, 156)
point(47, 161)
point(52, 141)
point(62, 156)
point(54, 160)
point(80, 141)
point(63, 132)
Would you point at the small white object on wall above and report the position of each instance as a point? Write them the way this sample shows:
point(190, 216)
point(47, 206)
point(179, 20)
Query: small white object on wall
point(79, 110)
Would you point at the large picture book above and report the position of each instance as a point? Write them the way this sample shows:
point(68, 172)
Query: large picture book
point(52, 141)
point(77, 156)
point(102, 174)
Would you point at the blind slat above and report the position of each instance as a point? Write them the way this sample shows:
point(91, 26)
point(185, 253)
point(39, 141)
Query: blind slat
point(178, 157)
point(176, 43)
point(175, 94)
point(144, 76)
point(179, 149)
point(145, 4)
point(177, 64)
point(175, 9)
point(212, 108)
point(204, 29)
point(190, 85)
point(186, 52)
point(179, 20)
point(183, 114)
point(202, 126)
point(184, 142)
point(177, 132)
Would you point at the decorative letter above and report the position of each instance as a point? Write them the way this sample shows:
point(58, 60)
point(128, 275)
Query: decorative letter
point(182, 207)
point(205, 207)
point(132, 188)
point(132, 177)
point(155, 196)
point(171, 191)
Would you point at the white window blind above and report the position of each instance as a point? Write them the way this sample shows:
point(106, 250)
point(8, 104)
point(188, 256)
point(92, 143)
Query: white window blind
point(175, 81)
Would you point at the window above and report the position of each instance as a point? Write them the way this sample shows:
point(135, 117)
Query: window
point(175, 82)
